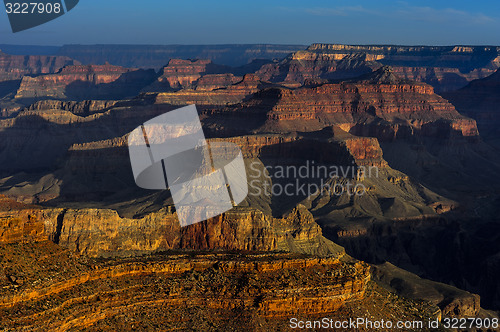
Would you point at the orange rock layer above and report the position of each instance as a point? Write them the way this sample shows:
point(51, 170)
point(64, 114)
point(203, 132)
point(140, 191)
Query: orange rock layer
point(264, 286)
point(85, 82)
point(379, 105)
point(14, 67)
point(102, 232)
point(446, 68)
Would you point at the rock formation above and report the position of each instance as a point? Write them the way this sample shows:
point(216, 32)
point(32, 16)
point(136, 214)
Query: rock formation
point(228, 95)
point(85, 82)
point(433, 190)
point(304, 65)
point(14, 67)
point(102, 232)
point(451, 300)
point(378, 105)
point(88, 231)
point(72, 291)
point(216, 81)
point(445, 68)
point(161, 290)
point(81, 108)
point(178, 74)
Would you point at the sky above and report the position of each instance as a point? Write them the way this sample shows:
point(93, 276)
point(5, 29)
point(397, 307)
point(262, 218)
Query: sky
point(423, 22)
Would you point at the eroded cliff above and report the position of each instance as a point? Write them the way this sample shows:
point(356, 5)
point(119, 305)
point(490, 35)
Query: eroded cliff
point(85, 82)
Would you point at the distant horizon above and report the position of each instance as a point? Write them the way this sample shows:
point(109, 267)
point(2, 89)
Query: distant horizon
point(52, 50)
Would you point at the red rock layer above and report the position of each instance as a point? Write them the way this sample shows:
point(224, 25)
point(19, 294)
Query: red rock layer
point(18, 223)
point(159, 292)
point(178, 74)
point(378, 105)
point(303, 65)
point(102, 232)
point(231, 94)
point(446, 68)
point(337, 147)
point(79, 108)
point(14, 67)
point(216, 81)
point(85, 82)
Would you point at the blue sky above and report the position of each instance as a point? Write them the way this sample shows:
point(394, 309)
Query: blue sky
point(423, 22)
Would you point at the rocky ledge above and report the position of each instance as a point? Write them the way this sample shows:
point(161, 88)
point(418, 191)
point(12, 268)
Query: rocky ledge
point(378, 104)
point(172, 290)
point(102, 232)
point(85, 82)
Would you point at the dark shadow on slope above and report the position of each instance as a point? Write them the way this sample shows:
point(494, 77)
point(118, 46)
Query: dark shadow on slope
point(8, 87)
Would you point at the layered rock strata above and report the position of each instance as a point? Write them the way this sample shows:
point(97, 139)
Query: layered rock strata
point(14, 67)
point(85, 82)
point(378, 104)
point(206, 95)
point(102, 232)
point(445, 68)
point(162, 291)
point(179, 74)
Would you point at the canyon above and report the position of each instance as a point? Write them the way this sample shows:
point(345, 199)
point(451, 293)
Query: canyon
point(108, 247)
point(44, 275)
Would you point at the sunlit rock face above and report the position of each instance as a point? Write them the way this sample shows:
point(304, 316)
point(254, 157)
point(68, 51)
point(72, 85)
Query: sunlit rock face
point(85, 82)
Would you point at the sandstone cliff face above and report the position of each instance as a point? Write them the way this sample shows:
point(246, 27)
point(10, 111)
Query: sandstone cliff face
point(180, 74)
point(101, 232)
point(446, 68)
point(21, 223)
point(378, 105)
point(85, 82)
point(82, 108)
point(303, 65)
point(14, 67)
point(162, 291)
point(205, 95)
point(216, 81)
